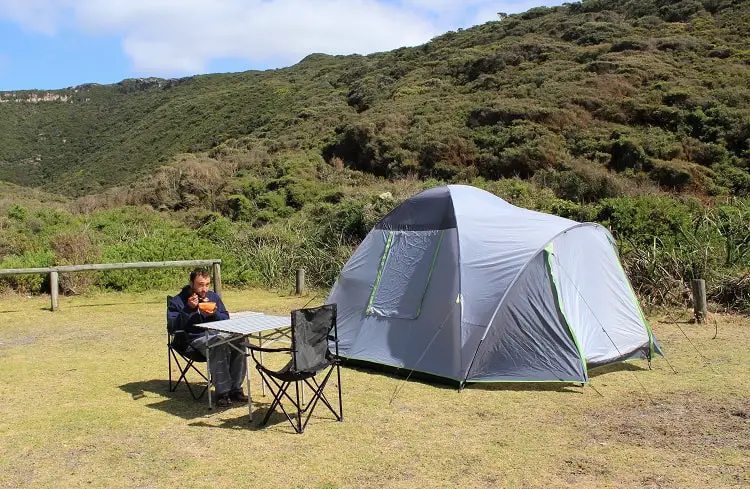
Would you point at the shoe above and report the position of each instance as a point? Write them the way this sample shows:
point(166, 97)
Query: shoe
point(238, 396)
point(223, 400)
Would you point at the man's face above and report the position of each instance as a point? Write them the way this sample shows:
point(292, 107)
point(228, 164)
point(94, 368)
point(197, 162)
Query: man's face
point(200, 285)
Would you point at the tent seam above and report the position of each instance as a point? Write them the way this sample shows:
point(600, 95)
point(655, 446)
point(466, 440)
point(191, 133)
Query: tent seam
point(460, 290)
point(383, 259)
point(513, 283)
point(549, 250)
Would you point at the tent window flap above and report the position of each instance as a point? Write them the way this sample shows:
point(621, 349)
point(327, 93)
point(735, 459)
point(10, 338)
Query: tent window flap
point(405, 273)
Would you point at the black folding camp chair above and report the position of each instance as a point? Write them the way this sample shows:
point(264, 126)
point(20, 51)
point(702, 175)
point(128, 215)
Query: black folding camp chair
point(178, 346)
point(313, 332)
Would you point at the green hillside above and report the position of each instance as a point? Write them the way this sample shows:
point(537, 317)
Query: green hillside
point(654, 90)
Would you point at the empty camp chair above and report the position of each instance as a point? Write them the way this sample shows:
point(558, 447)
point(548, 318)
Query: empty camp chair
point(178, 346)
point(313, 331)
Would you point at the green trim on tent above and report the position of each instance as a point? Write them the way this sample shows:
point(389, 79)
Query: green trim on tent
point(635, 301)
point(432, 268)
point(559, 381)
point(383, 259)
point(549, 252)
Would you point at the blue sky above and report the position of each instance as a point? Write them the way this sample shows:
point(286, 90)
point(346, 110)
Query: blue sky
point(49, 44)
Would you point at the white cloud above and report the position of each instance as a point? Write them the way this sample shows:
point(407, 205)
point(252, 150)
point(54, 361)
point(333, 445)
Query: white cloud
point(174, 37)
point(36, 15)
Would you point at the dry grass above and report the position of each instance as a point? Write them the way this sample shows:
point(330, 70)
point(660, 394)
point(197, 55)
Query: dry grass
point(83, 402)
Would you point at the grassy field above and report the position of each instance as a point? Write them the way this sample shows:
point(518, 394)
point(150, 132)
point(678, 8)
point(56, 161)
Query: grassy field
point(84, 403)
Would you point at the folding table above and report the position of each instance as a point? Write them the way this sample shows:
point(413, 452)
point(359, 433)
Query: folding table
point(249, 325)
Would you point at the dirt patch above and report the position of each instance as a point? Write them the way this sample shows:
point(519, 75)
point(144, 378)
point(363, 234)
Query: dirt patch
point(683, 422)
point(20, 341)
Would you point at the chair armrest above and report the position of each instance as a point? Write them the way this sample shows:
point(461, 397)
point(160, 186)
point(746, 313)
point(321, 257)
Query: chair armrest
point(268, 350)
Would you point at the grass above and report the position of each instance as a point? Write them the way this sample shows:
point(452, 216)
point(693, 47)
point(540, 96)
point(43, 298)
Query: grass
point(85, 403)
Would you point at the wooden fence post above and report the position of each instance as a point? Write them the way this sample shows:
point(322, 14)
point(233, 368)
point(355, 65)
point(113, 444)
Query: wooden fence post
point(217, 278)
point(53, 289)
point(700, 308)
point(300, 286)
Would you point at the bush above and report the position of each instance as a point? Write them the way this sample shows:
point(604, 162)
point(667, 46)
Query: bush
point(518, 150)
point(626, 153)
point(165, 246)
point(733, 178)
point(240, 208)
point(28, 283)
point(733, 291)
point(586, 183)
point(671, 174)
point(75, 249)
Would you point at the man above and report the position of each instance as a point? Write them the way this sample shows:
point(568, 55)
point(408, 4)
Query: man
point(226, 364)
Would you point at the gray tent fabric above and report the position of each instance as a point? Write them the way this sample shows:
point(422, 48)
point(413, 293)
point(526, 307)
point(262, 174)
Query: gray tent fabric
point(457, 283)
point(528, 339)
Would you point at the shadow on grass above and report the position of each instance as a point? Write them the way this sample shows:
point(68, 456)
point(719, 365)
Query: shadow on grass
point(277, 418)
point(615, 367)
point(401, 374)
point(243, 423)
point(180, 403)
point(561, 387)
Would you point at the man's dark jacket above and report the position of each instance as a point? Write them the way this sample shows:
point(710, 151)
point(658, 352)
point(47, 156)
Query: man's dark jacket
point(180, 316)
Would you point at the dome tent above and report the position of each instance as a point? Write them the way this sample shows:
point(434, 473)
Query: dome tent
point(457, 283)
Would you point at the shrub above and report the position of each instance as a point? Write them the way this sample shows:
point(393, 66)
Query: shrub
point(518, 150)
point(732, 290)
point(586, 183)
point(75, 249)
point(28, 283)
point(240, 208)
point(733, 178)
point(626, 153)
point(710, 154)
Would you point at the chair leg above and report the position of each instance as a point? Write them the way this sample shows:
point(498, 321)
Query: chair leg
point(281, 391)
point(183, 375)
point(341, 401)
point(169, 362)
point(173, 387)
point(299, 428)
point(319, 395)
point(318, 392)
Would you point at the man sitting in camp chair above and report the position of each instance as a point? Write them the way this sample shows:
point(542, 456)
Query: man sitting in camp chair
point(196, 305)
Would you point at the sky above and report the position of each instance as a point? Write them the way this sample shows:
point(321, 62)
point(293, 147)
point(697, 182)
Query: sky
point(50, 44)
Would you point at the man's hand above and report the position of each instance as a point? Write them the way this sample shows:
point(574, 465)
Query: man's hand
point(193, 301)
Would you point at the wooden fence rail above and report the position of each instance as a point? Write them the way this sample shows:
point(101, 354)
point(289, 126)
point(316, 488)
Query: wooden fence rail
point(55, 271)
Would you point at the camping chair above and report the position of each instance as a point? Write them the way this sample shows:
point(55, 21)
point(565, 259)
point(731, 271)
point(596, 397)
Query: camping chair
point(313, 331)
point(178, 346)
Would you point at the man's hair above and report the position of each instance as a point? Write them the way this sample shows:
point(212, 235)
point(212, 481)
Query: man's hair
point(199, 272)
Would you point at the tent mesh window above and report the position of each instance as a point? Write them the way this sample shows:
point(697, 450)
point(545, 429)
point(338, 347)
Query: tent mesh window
point(404, 275)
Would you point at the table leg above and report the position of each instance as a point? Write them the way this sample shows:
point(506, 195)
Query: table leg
point(249, 393)
point(208, 368)
point(262, 384)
